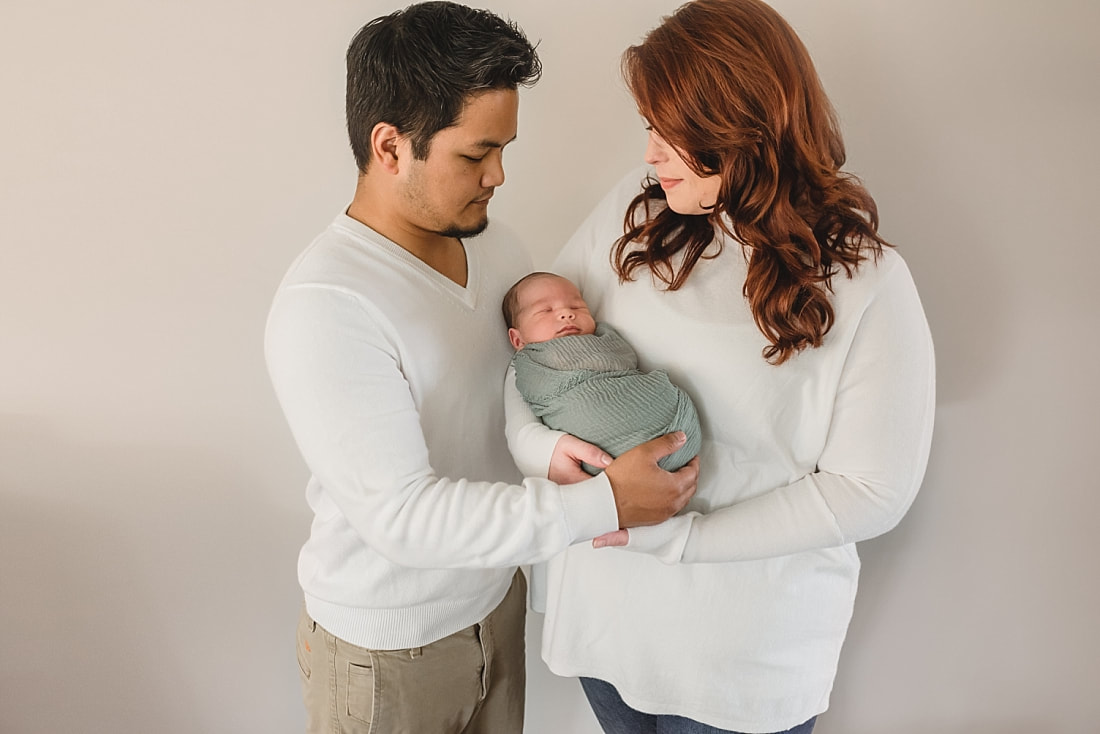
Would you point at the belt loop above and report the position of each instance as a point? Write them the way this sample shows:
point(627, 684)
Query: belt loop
point(415, 652)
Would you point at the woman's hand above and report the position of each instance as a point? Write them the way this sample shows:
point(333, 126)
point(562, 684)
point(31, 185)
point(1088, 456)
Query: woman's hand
point(612, 539)
point(569, 452)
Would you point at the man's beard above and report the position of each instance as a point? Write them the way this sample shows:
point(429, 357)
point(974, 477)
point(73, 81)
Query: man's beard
point(465, 232)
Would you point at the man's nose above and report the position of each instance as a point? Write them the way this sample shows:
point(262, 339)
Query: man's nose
point(494, 175)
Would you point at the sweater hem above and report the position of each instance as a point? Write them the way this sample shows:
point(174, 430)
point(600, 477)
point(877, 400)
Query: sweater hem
point(409, 626)
point(786, 713)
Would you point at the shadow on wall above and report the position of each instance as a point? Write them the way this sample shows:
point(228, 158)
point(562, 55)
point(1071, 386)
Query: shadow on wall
point(137, 590)
point(953, 258)
point(929, 174)
point(922, 143)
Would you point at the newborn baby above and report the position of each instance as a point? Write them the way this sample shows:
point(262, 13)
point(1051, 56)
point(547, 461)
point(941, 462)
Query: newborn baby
point(583, 378)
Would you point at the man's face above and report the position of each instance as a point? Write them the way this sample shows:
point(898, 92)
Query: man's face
point(448, 193)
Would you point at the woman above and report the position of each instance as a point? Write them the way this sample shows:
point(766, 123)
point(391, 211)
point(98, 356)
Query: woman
point(751, 269)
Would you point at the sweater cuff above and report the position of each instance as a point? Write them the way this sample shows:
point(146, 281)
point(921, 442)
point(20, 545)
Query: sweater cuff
point(589, 508)
point(538, 443)
point(532, 444)
point(665, 541)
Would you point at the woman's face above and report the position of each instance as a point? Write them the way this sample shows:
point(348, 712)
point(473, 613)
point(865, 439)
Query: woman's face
point(687, 192)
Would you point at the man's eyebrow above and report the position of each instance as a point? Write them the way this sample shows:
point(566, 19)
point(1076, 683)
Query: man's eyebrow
point(494, 143)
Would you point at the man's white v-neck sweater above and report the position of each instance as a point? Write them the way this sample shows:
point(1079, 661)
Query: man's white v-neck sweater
point(390, 377)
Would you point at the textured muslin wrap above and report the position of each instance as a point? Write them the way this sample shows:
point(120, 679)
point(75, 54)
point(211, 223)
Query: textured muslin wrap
point(589, 385)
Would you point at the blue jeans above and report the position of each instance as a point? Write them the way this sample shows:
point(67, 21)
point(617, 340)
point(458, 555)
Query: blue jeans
point(617, 718)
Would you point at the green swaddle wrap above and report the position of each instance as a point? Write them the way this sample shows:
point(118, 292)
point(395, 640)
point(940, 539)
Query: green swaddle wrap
point(589, 385)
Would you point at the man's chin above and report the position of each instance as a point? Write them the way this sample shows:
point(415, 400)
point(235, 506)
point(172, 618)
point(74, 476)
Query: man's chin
point(460, 232)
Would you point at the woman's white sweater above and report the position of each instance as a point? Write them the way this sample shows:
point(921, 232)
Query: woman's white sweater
point(734, 613)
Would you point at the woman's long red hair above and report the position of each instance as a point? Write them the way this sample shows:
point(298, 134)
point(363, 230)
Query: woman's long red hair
point(729, 84)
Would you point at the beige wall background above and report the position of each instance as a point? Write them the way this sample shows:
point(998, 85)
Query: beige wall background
point(161, 163)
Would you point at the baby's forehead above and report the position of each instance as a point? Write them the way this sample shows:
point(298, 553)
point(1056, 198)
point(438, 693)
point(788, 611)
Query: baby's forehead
point(543, 285)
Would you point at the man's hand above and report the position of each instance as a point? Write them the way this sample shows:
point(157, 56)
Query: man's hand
point(646, 494)
point(569, 452)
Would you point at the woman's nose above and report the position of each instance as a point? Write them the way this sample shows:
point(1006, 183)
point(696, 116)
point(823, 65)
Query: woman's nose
point(654, 151)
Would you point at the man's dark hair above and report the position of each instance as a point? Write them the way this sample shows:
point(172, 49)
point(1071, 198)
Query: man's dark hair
point(416, 68)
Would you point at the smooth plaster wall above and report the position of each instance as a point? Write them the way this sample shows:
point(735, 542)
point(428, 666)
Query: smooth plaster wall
point(161, 163)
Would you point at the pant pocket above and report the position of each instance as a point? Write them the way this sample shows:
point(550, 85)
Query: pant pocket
point(362, 693)
point(303, 645)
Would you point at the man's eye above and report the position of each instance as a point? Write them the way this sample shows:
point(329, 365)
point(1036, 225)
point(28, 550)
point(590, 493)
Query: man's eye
point(473, 159)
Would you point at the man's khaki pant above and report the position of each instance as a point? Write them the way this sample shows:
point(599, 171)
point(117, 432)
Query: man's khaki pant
point(471, 682)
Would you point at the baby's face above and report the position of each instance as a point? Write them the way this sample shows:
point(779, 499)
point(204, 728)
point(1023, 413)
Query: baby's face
point(549, 307)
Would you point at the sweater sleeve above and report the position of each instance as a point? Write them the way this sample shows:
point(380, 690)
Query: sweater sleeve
point(337, 375)
point(530, 441)
point(872, 463)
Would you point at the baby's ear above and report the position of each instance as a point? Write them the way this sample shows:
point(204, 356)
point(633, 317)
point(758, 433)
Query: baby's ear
point(516, 339)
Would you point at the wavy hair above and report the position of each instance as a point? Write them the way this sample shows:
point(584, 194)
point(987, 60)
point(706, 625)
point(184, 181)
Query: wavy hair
point(731, 87)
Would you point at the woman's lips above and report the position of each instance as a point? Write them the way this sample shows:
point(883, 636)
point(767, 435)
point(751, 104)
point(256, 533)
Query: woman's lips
point(668, 183)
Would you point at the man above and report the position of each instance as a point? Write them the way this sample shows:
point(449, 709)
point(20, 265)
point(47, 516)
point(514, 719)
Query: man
point(384, 346)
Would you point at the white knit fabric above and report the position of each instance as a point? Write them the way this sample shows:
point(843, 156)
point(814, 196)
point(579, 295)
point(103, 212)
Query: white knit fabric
point(390, 377)
point(734, 613)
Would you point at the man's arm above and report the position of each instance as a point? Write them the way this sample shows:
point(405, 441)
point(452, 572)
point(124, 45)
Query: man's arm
point(336, 373)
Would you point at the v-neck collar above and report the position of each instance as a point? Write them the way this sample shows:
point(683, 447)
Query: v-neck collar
point(467, 295)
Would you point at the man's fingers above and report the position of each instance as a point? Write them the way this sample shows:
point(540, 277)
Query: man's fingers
point(690, 471)
point(665, 445)
point(688, 474)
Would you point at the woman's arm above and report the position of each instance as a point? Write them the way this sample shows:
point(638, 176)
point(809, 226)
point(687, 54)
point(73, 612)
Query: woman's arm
point(540, 451)
point(872, 463)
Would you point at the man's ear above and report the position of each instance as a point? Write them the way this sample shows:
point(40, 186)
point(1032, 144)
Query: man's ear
point(385, 146)
point(516, 339)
